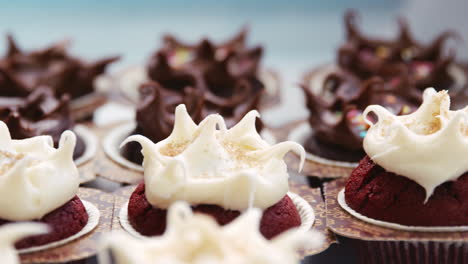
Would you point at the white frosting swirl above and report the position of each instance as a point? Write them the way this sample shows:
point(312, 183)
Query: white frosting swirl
point(198, 239)
point(426, 146)
point(35, 177)
point(10, 233)
point(210, 164)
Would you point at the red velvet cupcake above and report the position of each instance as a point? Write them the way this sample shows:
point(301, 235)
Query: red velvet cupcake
point(414, 173)
point(413, 184)
point(39, 183)
point(220, 172)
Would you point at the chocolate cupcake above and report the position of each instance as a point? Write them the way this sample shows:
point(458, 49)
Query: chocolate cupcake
point(21, 72)
point(335, 130)
point(220, 66)
point(39, 113)
point(51, 66)
point(197, 238)
point(219, 171)
point(427, 64)
point(40, 184)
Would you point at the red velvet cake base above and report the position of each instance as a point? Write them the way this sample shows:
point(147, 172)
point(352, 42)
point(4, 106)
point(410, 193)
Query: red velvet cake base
point(64, 221)
point(382, 195)
point(150, 221)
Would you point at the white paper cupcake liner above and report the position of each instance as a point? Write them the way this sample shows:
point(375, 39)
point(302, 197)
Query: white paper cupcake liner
point(117, 135)
point(270, 82)
point(112, 142)
point(93, 221)
point(344, 205)
point(90, 141)
point(458, 76)
point(303, 208)
point(300, 134)
point(319, 76)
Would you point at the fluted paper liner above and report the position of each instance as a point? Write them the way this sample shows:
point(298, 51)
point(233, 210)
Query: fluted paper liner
point(93, 221)
point(343, 223)
point(379, 244)
point(303, 208)
point(86, 245)
point(308, 201)
point(342, 202)
point(115, 167)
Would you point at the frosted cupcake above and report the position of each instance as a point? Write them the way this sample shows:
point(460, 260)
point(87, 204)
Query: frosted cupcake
point(39, 183)
point(197, 238)
point(415, 173)
point(219, 171)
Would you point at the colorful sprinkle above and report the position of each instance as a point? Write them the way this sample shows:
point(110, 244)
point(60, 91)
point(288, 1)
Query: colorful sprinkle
point(406, 109)
point(382, 52)
point(180, 56)
point(391, 99)
point(422, 69)
point(407, 54)
point(395, 82)
point(358, 124)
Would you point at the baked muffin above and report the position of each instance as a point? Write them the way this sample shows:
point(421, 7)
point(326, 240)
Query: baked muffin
point(414, 173)
point(21, 72)
point(40, 184)
point(39, 113)
point(13, 232)
point(196, 238)
point(219, 171)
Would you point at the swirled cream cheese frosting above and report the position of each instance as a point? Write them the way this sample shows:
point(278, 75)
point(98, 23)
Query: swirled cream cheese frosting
point(428, 146)
point(198, 239)
point(210, 164)
point(36, 178)
point(10, 233)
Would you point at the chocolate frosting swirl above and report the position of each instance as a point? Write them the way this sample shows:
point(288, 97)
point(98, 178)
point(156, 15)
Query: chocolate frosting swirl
point(207, 78)
point(40, 113)
point(391, 73)
point(21, 72)
point(336, 113)
point(367, 57)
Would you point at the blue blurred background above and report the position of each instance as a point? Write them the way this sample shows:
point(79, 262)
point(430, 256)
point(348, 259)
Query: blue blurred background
point(296, 34)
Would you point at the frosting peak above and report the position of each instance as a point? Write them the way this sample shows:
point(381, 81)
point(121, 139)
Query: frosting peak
point(35, 175)
point(233, 168)
point(10, 233)
point(422, 146)
point(197, 238)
